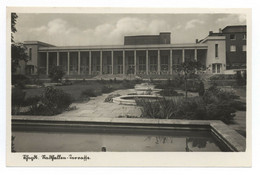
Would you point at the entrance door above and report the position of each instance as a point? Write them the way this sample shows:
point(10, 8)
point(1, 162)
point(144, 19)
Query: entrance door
point(219, 68)
point(216, 68)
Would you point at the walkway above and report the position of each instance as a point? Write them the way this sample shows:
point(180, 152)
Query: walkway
point(96, 107)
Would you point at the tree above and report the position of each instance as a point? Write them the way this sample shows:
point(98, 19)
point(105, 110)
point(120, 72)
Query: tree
point(188, 69)
point(18, 50)
point(56, 73)
point(13, 23)
point(18, 53)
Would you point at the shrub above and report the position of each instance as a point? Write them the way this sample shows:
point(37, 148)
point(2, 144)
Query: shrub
point(224, 82)
point(192, 108)
point(170, 92)
point(20, 80)
point(167, 108)
point(56, 73)
point(110, 81)
point(174, 83)
point(238, 105)
point(241, 80)
point(161, 108)
point(214, 95)
point(30, 101)
point(51, 102)
point(128, 84)
point(220, 111)
point(192, 86)
point(149, 109)
point(201, 89)
point(223, 77)
point(18, 97)
point(66, 82)
point(56, 100)
point(137, 81)
point(215, 104)
point(89, 92)
point(106, 89)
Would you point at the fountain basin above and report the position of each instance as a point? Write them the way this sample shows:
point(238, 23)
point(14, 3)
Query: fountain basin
point(130, 99)
point(142, 91)
point(146, 89)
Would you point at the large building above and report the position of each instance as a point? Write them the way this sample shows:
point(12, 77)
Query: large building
point(146, 54)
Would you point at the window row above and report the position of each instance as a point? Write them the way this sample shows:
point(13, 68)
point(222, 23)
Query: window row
point(233, 36)
point(233, 48)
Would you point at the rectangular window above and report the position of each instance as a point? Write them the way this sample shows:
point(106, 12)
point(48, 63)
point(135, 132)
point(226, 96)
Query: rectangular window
point(153, 60)
point(232, 36)
point(164, 59)
point(218, 68)
point(109, 60)
point(244, 48)
point(216, 50)
point(131, 60)
point(233, 48)
point(213, 68)
point(120, 60)
point(244, 37)
point(30, 53)
point(142, 60)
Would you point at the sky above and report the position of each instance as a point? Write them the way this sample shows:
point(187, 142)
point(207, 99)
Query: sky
point(110, 29)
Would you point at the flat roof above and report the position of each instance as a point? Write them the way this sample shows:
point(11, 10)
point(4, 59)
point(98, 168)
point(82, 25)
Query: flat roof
point(39, 43)
point(128, 47)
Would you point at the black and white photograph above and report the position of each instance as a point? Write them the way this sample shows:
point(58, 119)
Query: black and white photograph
point(133, 84)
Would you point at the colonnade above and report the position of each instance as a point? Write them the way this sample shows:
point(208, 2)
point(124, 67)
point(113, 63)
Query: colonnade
point(112, 54)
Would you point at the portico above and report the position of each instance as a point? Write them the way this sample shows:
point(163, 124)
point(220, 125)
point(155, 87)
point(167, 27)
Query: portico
point(119, 60)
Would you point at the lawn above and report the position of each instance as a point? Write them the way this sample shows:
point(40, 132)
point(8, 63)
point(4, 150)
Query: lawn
point(76, 89)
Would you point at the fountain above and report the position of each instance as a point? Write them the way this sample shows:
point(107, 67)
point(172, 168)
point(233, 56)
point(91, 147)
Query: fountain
point(146, 89)
point(142, 91)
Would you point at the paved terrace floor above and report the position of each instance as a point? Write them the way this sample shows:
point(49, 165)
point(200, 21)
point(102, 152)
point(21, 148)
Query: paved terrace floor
point(97, 108)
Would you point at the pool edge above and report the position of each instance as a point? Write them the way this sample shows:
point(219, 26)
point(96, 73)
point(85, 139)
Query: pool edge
point(230, 137)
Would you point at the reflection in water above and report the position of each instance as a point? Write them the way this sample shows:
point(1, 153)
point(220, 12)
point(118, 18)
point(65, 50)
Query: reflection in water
point(196, 142)
point(12, 144)
point(187, 149)
point(160, 139)
point(33, 141)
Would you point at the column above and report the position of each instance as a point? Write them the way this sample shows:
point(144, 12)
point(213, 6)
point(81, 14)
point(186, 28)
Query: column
point(78, 62)
point(171, 62)
point(47, 64)
point(101, 64)
point(68, 59)
point(183, 55)
point(159, 63)
point(195, 54)
point(123, 62)
point(112, 62)
point(135, 60)
point(147, 63)
point(89, 62)
point(58, 58)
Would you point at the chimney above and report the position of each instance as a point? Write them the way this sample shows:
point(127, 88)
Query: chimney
point(210, 32)
point(197, 41)
point(220, 30)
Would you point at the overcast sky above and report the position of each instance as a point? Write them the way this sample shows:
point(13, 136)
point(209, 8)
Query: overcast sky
point(110, 29)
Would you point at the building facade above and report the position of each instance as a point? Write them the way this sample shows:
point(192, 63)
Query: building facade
point(236, 37)
point(147, 55)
